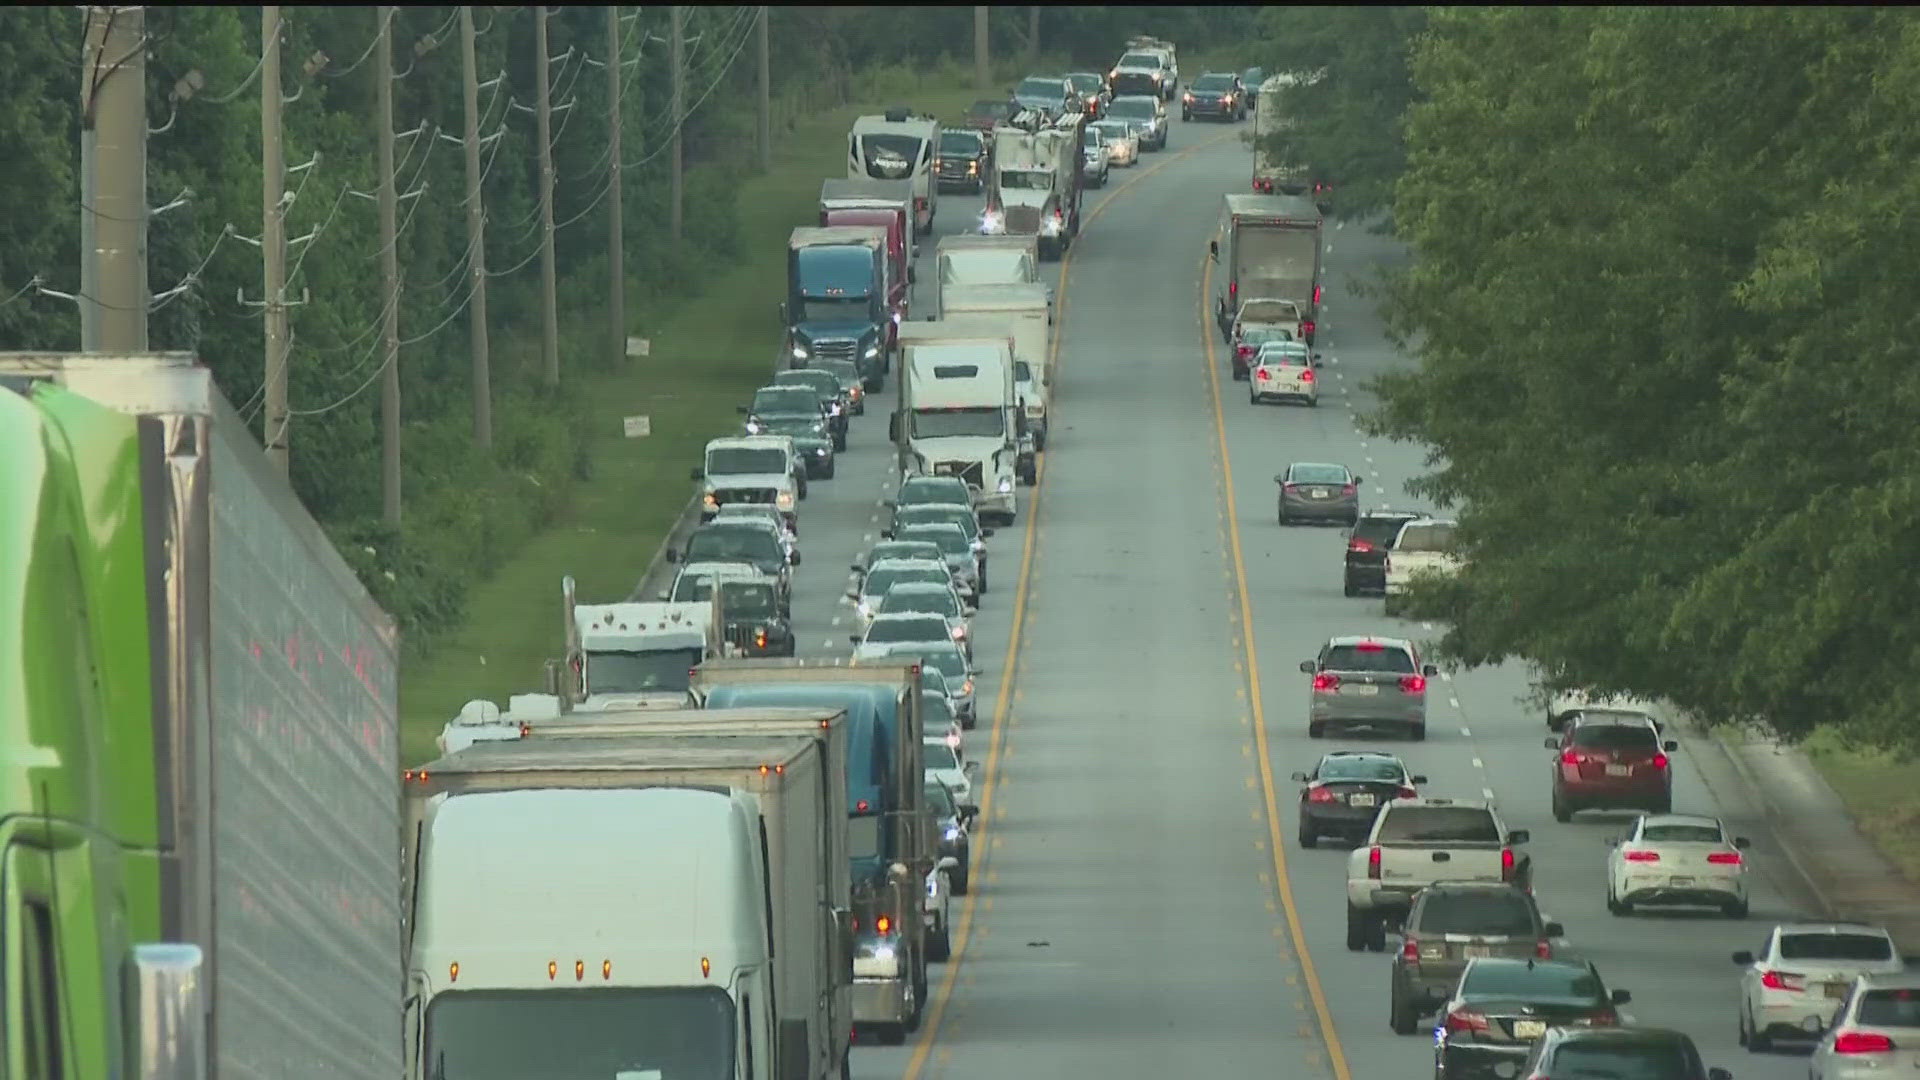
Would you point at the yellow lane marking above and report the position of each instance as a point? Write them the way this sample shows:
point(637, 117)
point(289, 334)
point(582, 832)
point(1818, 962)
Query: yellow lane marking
point(937, 1007)
point(1335, 1054)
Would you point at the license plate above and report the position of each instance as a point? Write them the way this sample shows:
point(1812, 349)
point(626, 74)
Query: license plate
point(1319, 493)
point(1360, 690)
point(1619, 770)
point(1679, 881)
point(1359, 800)
point(1837, 990)
point(1529, 1029)
point(1474, 951)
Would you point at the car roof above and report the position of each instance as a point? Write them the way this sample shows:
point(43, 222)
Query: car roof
point(1439, 800)
point(1903, 980)
point(1425, 519)
point(1832, 928)
point(1635, 1033)
point(924, 480)
point(1292, 465)
point(1349, 640)
point(1477, 886)
point(1392, 515)
point(1681, 819)
point(923, 527)
point(907, 564)
point(897, 647)
point(906, 616)
point(921, 586)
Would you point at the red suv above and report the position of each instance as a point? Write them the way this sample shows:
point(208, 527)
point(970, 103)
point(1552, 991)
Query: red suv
point(1611, 761)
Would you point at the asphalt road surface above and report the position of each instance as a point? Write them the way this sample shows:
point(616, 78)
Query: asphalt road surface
point(1140, 908)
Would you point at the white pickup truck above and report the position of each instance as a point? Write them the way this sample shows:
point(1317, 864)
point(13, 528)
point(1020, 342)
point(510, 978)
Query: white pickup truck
point(1420, 842)
point(1423, 546)
point(1263, 311)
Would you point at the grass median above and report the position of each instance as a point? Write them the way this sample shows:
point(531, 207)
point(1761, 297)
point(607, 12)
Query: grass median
point(705, 359)
point(1881, 794)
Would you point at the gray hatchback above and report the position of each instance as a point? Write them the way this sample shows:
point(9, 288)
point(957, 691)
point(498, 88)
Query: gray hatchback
point(1368, 682)
point(1451, 923)
point(1310, 491)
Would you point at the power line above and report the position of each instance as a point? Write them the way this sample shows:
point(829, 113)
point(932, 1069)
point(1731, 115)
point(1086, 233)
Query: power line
point(379, 36)
point(666, 143)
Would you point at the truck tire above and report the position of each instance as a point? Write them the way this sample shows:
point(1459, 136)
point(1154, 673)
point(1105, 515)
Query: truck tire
point(1376, 934)
point(1401, 1015)
point(939, 945)
point(1418, 733)
point(1357, 921)
point(1316, 730)
point(890, 1034)
point(1308, 838)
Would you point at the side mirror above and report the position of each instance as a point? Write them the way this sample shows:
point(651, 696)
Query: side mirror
point(1743, 958)
point(1213, 250)
point(170, 1001)
point(969, 611)
point(1670, 746)
point(886, 534)
point(1554, 929)
point(1552, 743)
point(968, 813)
point(897, 872)
point(972, 768)
point(1316, 359)
point(1742, 843)
point(1300, 778)
point(1613, 841)
point(697, 473)
point(855, 638)
point(1279, 478)
point(1417, 779)
point(1429, 670)
point(856, 568)
point(986, 534)
point(1519, 836)
point(1308, 667)
point(793, 557)
point(665, 595)
point(1358, 480)
point(853, 593)
point(1621, 997)
point(889, 504)
point(947, 862)
point(672, 555)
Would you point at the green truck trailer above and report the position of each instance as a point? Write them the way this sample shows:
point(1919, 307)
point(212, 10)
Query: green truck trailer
point(200, 796)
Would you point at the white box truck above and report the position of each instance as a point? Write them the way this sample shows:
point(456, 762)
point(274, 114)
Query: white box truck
point(967, 259)
point(1267, 248)
point(958, 413)
point(1025, 308)
point(615, 906)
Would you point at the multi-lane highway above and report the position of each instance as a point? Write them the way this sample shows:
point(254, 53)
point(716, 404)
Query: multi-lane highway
point(1140, 908)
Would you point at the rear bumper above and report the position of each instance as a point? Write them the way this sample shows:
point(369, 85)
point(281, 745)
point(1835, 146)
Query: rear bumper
point(881, 1001)
point(1706, 893)
point(993, 502)
point(1366, 575)
point(1320, 509)
point(1471, 1059)
point(1350, 713)
point(1796, 1019)
point(1597, 795)
point(1337, 820)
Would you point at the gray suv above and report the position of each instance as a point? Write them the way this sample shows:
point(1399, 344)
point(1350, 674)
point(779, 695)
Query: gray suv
point(1368, 682)
point(1451, 923)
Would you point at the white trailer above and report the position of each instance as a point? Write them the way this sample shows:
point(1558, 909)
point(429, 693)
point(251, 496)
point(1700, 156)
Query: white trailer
point(1024, 309)
point(898, 146)
point(959, 414)
point(968, 259)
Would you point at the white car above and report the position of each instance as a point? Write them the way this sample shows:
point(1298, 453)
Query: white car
point(883, 575)
point(939, 720)
point(1283, 371)
point(936, 909)
point(947, 765)
point(1678, 859)
point(1565, 703)
point(937, 600)
point(1094, 155)
point(1123, 145)
point(1795, 986)
point(1875, 1035)
point(694, 583)
point(886, 633)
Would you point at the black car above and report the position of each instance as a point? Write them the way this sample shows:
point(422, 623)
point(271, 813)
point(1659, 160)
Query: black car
point(1503, 1005)
point(1215, 94)
point(1367, 544)
point(1450, 923)
point(833, 397)
point(1093, 91)
point(961, 164)
point(952, 820)
point(1050, 94)
point(1345, 792)
point(1250, 81)
point(752, 619)
point(1644, 1053)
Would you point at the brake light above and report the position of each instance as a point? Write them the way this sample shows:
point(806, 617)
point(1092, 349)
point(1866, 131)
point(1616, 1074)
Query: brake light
point(1724, 858)
point(1306, 327)
point(1543, 949)
point(1307, 376)
point(1244, 351)
point(1782, 980)
point(1640, 856)
point(1605, 1018)
point(1262, 374)
point(1463, 1020)
point(1321, 795)
point(1359, 545)
point(1506, 864)
point(1316, 296)
point(1410, 951)
point(1289, 488)
point(1233, 289)
point(884, 925)
point(1659, 761)
point(1408, 793)
point(1324, 682)
point(1373, 863)
point(1861, 1042)
point(1571, 757)
point(1369, 646)
point(1413, 684)
point(1345, 489)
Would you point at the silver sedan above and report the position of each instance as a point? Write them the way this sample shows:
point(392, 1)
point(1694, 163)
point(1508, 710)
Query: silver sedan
point(1310, 491)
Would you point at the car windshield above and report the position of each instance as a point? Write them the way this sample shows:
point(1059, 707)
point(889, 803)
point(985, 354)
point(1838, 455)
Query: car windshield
point(1092, 139)
point(1436, 537)
point(1132, 109)
point(1317, 474)
point(1110, 130)
point(1865, 948)
point(746, 599)
point(1614, 737)
point(640, 672)
point(692, 588)
point(944, 423)
point(880, 581)
point(932, 492)
point(1258, 336)
point(942, 800)
point(1379, 530)
point(833, 309)
point(1488, 912)
point(800, 426)
point(1385, 660)
point(1681, 834)
point(1287, 352)
point(596, 1034)
point(962, 143)
point(1890, 1008)
point(1361, 768)
point(1040, 88)
point(1026, 180)
point(823, 384)
point(932, 682)
point(949, 661)
point(1614, 1060)
point(1021, 372)
point(949, 538)
point(944, 514)
point(1558, 984)
point(1416, 824)
point(907, 628)
point(920, 601)
point(1139, 59)
point(785, 399)
point(1085, 82)
point(731, 543)
point(889, 156)
point(742, 460)
point(939, 755)
point(1213, 84)
point(843, 370)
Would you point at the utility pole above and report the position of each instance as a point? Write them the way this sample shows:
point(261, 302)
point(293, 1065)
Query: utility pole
point(389, 269)
point(1033, 34)
point(113, 170)
point(982, 67)
point(616, 226)
point(765, 129)
point(543, 107)
point(476, 243)
point(273, 240)
point(677, 63)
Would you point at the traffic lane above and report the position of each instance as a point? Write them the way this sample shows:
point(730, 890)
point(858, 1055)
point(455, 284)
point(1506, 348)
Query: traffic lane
point(1119, 910)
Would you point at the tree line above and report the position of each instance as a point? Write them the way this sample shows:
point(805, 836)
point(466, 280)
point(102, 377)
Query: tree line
point(1663, 308)
point(465, 510)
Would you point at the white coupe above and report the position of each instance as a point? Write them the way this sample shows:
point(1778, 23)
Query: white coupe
point(1678, 859)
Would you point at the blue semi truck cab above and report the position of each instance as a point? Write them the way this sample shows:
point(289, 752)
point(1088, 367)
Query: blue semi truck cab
point(837, 306)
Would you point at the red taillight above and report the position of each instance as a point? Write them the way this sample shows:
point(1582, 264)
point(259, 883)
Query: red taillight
point(1290, 488)
point(1543, 949)
point(1506, 864)
point(1307, 376)
point(919, 204)
point(1782, 980)
point(1861, 1042)
point(1659, 761)
point(1345, 489)
point(1413, 684)
point(1262, 373)
point(1609, 1018)
point(1233, 289)
point(1408, 793)
point(1724, 858)
point(1324, 682)
point(1316, 296)
point(1359, 545)
point(1410, 951)
point(1306, 327)
point(1462, 1020)
point(1245, 351)
point(1640, 856)
point(1571, 757)
point(1373, 863)
point(1369, 646)
point(1321, 795)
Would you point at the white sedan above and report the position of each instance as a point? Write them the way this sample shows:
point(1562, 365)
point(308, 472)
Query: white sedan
point(1283, 370)
point(1876, 1035)
point(1678, 859)
point(936, 909)
point(886, 632)
point(1123, 145)
point(946, 764)
point(1795, 987)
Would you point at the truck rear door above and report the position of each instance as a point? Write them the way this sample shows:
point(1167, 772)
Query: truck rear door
point(1422, 844)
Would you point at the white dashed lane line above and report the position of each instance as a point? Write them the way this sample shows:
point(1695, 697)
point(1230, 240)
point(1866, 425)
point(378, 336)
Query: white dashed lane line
point(1466, 732)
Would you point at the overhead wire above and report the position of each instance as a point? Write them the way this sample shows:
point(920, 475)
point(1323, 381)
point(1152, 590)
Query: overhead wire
point(379, 35)
point(667, 142)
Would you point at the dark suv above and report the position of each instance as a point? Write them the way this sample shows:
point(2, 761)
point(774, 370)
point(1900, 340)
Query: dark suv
point(1603, 763)
point(1367, 544)
point(963, 160)
point(1451, 923)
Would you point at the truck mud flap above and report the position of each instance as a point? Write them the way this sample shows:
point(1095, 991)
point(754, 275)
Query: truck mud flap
point(795, 1051)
